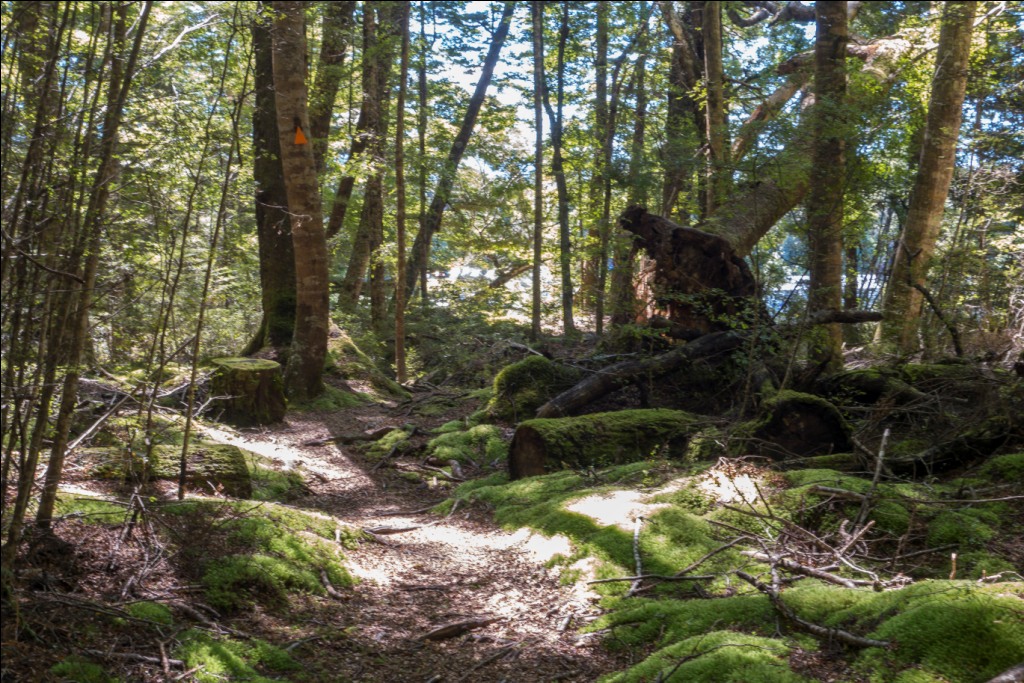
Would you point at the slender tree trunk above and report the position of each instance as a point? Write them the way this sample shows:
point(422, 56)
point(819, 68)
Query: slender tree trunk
point(825, 202)
point(379, 46)
point(934, 174)
point(536, 13)
point(623, 293)
point(93, 222)
point(303, 373)
point(592, 247)
point(432, 221)
point(421, 134)
point(555, 117)
point(337, 21)
point(403, 78)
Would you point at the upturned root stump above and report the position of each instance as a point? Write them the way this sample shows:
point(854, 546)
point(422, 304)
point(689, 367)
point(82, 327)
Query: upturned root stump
point(251, 390)
point(598, 440)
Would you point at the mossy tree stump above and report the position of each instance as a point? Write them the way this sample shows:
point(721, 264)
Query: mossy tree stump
point(598, 440)
point(794, 424)
point(251, 390)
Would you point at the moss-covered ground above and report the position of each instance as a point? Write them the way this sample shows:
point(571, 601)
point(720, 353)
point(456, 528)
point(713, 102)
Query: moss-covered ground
point(719, 628)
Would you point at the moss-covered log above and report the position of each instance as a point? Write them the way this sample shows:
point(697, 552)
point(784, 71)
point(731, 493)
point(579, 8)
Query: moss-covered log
point(212, 467)
point(796, 424)
point(522, 387)
point(251, 390)
point(598, 440)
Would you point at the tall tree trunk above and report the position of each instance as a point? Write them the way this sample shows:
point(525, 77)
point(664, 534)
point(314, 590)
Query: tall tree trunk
point(828, 171)
point(273, 224)
point(379, 48)
point(337, 20)
point(717, 130)
point(303, 373)
point(421, 136)
point(593, 242)
point(403, 78)
point(555, 117)
point(536, 14)
point(432, 221)
point(623, 293)
point(378, 55)
point(934, 174)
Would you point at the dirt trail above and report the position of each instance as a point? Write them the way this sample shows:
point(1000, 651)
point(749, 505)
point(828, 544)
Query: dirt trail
point(447, 570)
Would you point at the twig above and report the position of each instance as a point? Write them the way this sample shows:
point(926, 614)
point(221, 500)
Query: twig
point(815, 629)
point(637, 524)
point(504, 652)
point(457, 628)
point(660, 577)
point(865, 505)
point(331, 590)
point(794, 566)
point(133, 657)
point(417, 511)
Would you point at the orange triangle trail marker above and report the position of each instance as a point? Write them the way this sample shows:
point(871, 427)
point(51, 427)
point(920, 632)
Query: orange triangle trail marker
point(300, 138)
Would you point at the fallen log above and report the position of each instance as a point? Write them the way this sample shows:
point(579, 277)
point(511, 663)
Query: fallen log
point(598, 440)
point(615, 377)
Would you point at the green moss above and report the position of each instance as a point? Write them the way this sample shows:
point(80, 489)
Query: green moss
point(252, 390)
point(395, 440)
point(215, 465)
point(891, 516)
point(218, 659)
point(78, 670)
point(1008, 467)
point(980, 563)
point(347, 360)
point(88, 509)
point(965, 530)
point(605, 439)
point(480, 444)
point(261, 553)
point(523, 387)
point(151, 611)
point(720, 656)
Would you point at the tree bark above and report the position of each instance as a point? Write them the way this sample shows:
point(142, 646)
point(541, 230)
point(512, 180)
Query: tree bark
point(536, 15)
point(337, 19)
point(273, 225)
point(717, 130)
point(379, 45)
point(403, 77)
point(934, 174)
point(432, 221)
point(303, 374)
point(828, 172)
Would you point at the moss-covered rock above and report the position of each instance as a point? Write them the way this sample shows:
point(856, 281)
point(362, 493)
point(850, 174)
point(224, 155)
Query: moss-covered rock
point(212, 467)
point(219, 658)
point(1005, 468)
point(523, 387)
point(479, 444)
point(599, 440)
point(250, 390)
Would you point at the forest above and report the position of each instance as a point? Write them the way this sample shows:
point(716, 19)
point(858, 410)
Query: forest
point(512, 341)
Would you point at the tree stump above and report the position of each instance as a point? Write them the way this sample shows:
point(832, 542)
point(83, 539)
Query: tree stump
point(598, 440)
point(795, 424)
point(251, 390)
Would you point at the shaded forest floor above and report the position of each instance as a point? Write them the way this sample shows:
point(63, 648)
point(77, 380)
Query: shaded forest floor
point(414, 571)
point(380, 560)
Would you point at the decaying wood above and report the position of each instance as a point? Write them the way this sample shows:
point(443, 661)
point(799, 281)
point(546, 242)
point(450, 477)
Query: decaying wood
point(457, 628)
point(628, 372)
point(831, 634)
point(133, 657)
point(331, 590)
